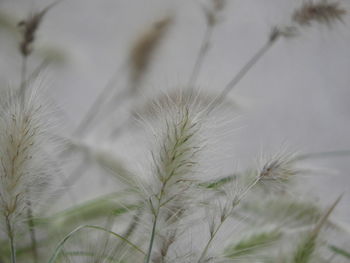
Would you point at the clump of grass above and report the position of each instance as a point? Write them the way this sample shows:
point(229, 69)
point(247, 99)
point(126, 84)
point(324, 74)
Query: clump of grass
point(158, 214)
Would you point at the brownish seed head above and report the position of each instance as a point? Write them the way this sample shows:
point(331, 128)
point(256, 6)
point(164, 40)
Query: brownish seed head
point(219, 4)
point(322, 12)
point(145, 46)
point(29, 27)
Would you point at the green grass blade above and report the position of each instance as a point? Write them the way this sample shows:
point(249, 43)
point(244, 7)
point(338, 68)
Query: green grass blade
point(340, 251)
point(67, 237)
point(252, 243)
point(88, 210)
point(305, 250)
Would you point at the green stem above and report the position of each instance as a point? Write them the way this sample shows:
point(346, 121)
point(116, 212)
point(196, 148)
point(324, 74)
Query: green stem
point(205, 250)
point(31, 228)
point(148, 257)
point(10, 234)
point(156, 214)
point(236, 202)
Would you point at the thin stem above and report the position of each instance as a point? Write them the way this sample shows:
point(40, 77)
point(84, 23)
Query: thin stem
point(22, 86)
point(243, 71)
point(34, 74)
point(31, 228)
point(148, 257)
point(205, 250)
point(10, 234)
point(156, 214)
point(201, 55)
point(237, 201)
point(92, 113)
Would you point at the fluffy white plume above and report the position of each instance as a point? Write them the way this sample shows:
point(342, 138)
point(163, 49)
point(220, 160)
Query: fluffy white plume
point(24, 147)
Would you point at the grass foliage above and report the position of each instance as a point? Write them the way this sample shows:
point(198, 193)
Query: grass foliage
point(169, 203)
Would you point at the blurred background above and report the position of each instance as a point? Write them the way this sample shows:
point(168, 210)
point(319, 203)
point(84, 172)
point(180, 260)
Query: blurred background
point(298, 94)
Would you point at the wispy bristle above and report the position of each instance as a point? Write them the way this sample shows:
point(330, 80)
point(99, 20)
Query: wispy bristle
point(199, 100)
point(173, 166)
point(178, 149)
point(278, 170)
point(322, 12)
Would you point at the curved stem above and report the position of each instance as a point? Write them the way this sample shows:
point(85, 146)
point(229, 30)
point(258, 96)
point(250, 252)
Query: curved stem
point(67, 237)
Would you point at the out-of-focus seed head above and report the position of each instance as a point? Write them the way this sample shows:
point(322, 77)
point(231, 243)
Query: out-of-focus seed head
point(25, 166)
point(29, 27)
point(322, 12)
point(144, 47)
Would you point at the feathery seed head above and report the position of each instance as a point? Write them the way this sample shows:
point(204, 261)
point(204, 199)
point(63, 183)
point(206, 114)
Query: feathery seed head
point(322, 12)
point(178, 150)
point(198, 100)
point(23, 138)
point(172, 192)
point(278, 170)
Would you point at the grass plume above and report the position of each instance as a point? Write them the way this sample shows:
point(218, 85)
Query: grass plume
point(323, 12)
point(142, 51)
point(23, 170)
point(173, 163)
